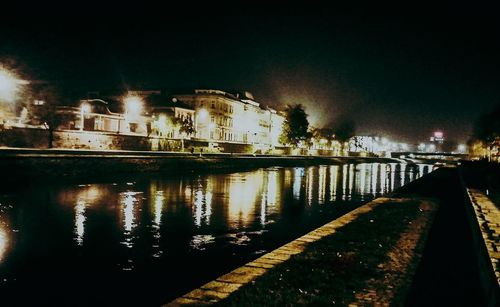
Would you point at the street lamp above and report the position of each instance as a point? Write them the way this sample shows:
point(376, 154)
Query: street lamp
point(201, 115)
point(133, 106)
point(84, 108)
point(10, 85)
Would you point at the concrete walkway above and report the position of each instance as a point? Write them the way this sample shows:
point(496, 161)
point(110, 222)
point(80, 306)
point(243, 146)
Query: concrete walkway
point(393, 274)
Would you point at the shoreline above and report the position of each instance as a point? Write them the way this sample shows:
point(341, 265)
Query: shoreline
point(67, 164)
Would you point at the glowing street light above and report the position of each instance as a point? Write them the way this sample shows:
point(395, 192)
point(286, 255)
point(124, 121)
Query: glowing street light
point(84, 108)
point(201, 115)
point(10, 85)
point(133, 106)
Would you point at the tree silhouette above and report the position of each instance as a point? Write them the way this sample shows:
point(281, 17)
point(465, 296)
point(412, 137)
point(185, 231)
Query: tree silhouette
point(295, 126)
point(344, 130)
point(46, 114)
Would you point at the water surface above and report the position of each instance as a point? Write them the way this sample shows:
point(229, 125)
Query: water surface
point(148, 241)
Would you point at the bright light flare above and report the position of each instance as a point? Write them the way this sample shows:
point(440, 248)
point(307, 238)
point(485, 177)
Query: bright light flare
point(202, 114)
point(85, 107)
point(133, 105)
point(10, 85)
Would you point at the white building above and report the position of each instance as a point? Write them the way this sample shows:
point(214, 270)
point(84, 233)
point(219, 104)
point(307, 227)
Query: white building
point(226, 117)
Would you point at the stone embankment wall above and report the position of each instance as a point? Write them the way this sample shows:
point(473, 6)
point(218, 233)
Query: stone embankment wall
point(484, 219)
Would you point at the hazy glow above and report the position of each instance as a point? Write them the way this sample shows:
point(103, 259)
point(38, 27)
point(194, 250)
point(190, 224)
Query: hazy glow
point(133, 105)
point(202, 114)
point(4, 241)
point(10, 85)
point(85, 108)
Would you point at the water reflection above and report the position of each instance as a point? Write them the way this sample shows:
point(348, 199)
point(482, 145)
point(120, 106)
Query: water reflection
point(153, 224)
point(128, 200)
point(297, 181)
point(238, 200)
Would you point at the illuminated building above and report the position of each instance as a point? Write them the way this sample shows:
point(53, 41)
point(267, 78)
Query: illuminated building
point(94, 115)
point(226, 117)
point(169, 116)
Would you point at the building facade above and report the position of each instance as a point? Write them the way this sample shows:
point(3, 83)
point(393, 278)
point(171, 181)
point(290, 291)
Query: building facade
point(226, 117)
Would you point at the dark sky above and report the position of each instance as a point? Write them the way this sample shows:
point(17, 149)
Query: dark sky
point(401, 72)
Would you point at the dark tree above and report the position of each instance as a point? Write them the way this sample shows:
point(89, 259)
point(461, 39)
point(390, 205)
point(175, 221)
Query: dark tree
point(186, 126)
point(487, 131)
point(44, 112)
point(487, 126)
point(295, 126)
point(344, 131)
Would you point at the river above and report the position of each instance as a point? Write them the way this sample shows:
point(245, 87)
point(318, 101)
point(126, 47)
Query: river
point(147, 241)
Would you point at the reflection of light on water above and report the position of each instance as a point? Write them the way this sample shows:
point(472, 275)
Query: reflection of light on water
point(263, 210)
point(239, 238)
point(344, 181)
point(128, 200)
point(421, 168)
point(403, 173)
point(80, 221)
point(374, 168)
point(272, 189)
point(393, 174)
point(159, 199)
point(383, 180)
point(200, 241)
point(243, 194)
point(198, 205)
point(310, 182)
point(362, 178)
point(351, 180)
point(203, 203)
point(158, 206)
point(269, 196)
point(85, 197)
point(208, 206)
point(322, 184)
point(334, 169)
point(297, 181)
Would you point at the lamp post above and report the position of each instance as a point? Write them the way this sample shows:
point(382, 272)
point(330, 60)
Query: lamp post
point(133, 107)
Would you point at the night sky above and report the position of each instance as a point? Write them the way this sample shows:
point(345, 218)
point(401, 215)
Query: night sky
point(402, 73)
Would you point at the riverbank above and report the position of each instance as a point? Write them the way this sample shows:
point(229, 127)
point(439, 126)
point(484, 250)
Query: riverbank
point(389, 251)
point(54, 164)
point(350, 260)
